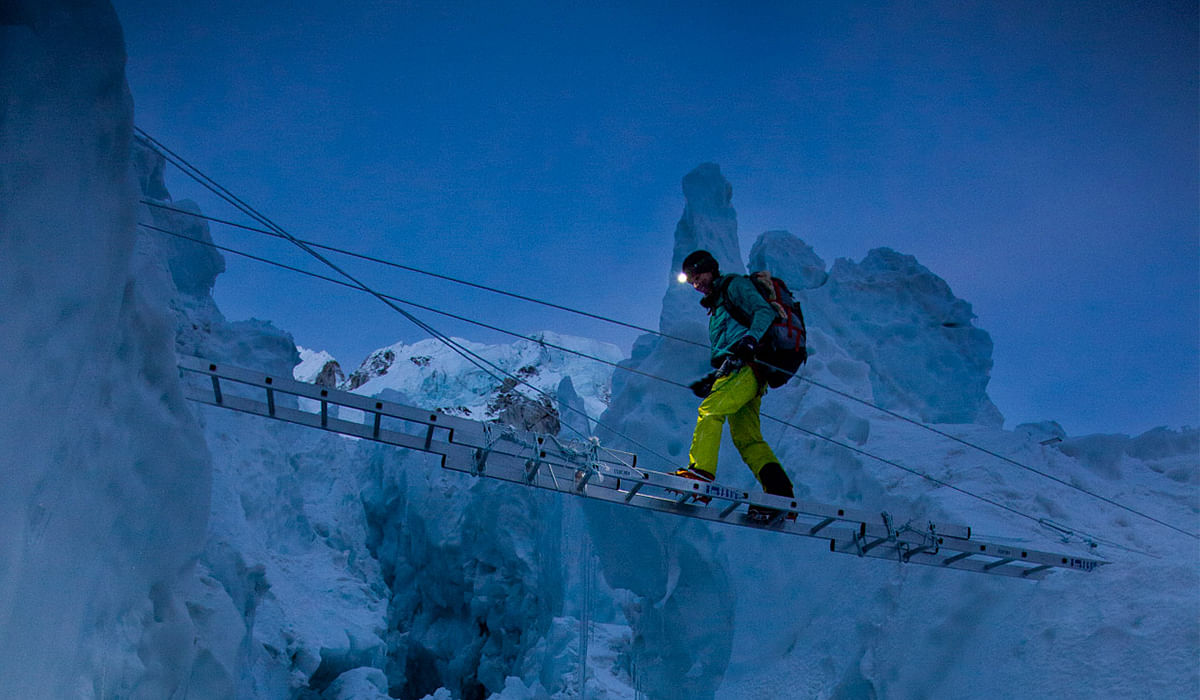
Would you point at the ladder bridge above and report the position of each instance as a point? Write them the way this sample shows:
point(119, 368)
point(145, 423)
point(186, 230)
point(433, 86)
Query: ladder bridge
point(587, 470)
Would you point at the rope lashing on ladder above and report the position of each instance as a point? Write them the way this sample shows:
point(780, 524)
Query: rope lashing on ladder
point(481, 454)
point(592, 466)
point(905, 550)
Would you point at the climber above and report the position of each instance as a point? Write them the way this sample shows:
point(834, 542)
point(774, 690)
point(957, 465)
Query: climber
point(734, 390)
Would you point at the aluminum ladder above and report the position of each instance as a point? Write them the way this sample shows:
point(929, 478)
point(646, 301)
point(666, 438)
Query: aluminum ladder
point(587, 470)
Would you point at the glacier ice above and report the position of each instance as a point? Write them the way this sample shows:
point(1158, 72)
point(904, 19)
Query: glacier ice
point(200, 553)
point(105, 473)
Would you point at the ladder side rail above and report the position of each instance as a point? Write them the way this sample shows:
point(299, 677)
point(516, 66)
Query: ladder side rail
point(718, 491)
point(512, 468)
point(877, 532)
point(981, 553)
point(846, 543)
point(450, 452)
point(369, 405)
point(962, 532)
point(612, 476)
point(462, 430)
point(978, 548)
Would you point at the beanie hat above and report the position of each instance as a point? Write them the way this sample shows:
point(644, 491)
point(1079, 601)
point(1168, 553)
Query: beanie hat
point(699, 262)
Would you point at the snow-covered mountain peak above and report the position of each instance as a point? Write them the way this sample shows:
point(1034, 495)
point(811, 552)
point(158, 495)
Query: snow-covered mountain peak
point(318, 368)
point(432, 374)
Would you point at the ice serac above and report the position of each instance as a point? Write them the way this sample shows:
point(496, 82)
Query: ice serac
point(790, 258)
point(176, 249)
point(684, 616)
point(105, 474)
point(926, 358)
point(709, 222)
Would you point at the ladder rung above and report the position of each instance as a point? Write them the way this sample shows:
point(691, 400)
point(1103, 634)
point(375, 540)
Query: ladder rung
point(470, 446)
point(957, 557)
point(874, 544)
point(915, 551)
point(822, 525)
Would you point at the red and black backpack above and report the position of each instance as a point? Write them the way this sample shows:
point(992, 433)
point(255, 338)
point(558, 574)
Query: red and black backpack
point(784, 346)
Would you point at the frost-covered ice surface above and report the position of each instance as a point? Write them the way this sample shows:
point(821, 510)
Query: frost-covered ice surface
point(157, 549)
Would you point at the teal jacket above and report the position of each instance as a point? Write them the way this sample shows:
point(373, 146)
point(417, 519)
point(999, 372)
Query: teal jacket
point(723, 329)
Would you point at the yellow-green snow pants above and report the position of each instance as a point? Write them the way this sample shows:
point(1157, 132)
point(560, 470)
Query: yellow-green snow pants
point(736, 397)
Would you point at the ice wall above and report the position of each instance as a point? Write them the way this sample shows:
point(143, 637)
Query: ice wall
point(336, 568)
point(105, 474)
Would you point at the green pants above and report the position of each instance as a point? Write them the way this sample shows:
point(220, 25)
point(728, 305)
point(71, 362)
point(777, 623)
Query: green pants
point(736, 397)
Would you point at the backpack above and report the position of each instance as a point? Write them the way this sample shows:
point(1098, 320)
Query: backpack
point(784, 346)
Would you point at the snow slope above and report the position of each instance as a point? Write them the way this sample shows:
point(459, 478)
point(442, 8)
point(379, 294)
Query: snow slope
point(158, 549)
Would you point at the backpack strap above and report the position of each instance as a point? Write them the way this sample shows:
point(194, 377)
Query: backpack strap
point(734, 310)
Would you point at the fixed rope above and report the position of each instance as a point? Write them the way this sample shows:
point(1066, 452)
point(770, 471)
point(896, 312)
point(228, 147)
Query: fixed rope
point(466, 353)
point(932, 479)
point(311, 247)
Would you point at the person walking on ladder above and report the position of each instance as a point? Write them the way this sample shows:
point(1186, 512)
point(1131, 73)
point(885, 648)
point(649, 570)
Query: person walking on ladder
point(735, 389)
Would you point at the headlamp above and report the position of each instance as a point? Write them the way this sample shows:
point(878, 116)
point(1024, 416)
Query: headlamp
point(683, 278)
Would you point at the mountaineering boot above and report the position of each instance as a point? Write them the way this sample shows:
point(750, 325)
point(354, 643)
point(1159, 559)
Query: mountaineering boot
point(775, 482)
point(699, 475)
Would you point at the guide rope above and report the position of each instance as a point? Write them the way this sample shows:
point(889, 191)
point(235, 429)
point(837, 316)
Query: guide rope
point(667, 336)
point(1064, 533)
point(408, 268)
point(310, 247)
point(475, 359)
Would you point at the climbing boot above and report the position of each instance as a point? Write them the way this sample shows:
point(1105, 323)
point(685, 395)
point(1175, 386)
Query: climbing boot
point(775, 482)
point(699, 475)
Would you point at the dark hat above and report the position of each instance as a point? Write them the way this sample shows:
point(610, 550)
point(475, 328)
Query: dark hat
point(698, 262)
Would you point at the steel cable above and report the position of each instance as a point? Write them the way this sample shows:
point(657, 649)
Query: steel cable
point(311, 246)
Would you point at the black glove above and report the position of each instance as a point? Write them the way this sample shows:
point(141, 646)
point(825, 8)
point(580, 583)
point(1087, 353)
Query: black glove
point(703, 386)
point(744, 349)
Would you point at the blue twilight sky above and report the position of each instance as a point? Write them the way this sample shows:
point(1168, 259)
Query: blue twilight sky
point(1042, 157)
